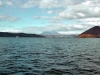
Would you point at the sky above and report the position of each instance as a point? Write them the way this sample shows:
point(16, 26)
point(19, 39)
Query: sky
point(37, 16)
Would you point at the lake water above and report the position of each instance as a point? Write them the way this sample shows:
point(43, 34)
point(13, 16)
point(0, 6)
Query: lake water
point(49, 56)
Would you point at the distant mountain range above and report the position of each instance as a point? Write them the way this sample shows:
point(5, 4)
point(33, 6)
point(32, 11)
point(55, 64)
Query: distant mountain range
point(8, 34)
point(50, 33)
point(44, 34)
point(91, 33)
point(54, 34)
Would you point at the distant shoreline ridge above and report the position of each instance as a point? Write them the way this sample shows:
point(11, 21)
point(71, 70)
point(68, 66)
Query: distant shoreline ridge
point(10, 34)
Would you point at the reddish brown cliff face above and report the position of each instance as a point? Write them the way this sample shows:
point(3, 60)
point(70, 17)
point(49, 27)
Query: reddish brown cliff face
point(88, 36)
point(91, 33)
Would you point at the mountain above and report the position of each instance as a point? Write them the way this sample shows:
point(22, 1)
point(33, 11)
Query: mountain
point(50, 33)
point(8, 34)
point(91, 33)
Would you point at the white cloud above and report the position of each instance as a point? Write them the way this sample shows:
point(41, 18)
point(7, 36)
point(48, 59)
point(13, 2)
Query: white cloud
point(41, 17)
point(91, 21)
point(6, 2)
point(62, 28)
point(75, 12)
point(11, 30)
point(37, 17)
point(85, 11)
point(8, 18)
point(81, 14)
point(30, 3)
point(73, 9)
point(49, 4)
point(41, 3)
point(69, 32)
point(14, 31)
point(71, 2)
point(49, 12)
point(9, 3)
point(1, 3)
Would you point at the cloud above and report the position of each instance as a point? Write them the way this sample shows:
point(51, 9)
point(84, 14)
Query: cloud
point(9, 3)
point(8, 18)
point(36, 17)
point(74, 12)
point(6, 2)
point(14, 31)
point(30, 3)
point(42, 17)
point(91, 21)
point(1, 4)
point(71, 2)
point(49, 4)
point(85, 12)
point(62, 28)
point(49, 12)
point(11, 30)
point(58, 3)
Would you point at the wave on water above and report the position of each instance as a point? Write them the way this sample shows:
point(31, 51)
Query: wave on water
point(46, 56)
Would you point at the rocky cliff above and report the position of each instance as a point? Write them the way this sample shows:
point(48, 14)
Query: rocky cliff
point(91, 33)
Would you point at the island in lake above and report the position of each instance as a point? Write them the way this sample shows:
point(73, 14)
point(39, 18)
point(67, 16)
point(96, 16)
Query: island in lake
point(91, 33)
point(8, 34)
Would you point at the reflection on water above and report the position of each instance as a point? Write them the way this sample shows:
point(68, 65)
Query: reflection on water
point(49, 56)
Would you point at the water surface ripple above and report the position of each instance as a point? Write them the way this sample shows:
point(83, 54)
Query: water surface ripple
point(49, 56)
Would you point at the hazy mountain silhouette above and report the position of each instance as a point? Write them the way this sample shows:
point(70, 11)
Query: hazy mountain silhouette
point(50, 33)
point(91, 33)
point(8, 34)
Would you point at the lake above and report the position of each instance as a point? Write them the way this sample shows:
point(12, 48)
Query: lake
point(49, 56)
